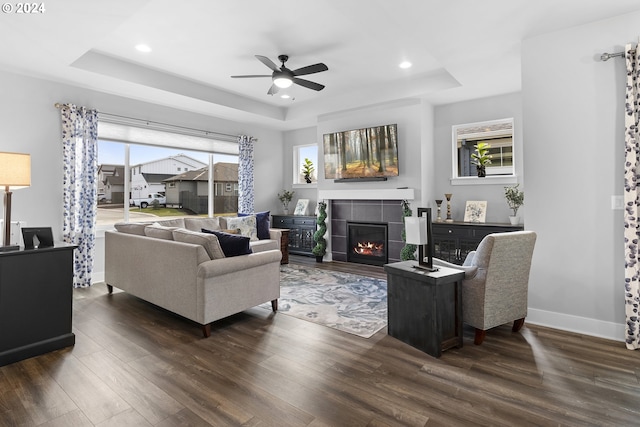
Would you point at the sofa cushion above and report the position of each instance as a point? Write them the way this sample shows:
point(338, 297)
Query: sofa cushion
point(158, 231)
point(262, 223)
point(246, 224)
point(208, 241)
point(177, 222)
point(232, 244)
point(197, 224)
point(131, 228)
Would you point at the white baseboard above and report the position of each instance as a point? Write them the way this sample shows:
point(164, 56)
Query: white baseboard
point(97, 277)
point(581, 325)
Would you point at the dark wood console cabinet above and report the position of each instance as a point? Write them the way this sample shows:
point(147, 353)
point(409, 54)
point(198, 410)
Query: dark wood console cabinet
point(301, 230)
point(454, 240)
point(36, 297)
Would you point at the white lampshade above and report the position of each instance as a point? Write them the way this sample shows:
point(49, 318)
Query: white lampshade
point(15, 170)
point(416, 230)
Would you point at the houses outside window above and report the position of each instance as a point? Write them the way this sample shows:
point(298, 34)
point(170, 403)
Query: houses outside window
point(179, 175)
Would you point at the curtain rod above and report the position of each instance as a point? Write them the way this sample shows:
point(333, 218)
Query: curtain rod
point(606, 56)
point(119, 119)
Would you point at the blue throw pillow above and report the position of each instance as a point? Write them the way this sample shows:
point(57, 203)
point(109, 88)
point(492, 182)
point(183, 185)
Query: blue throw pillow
point(262, 223)
point(231, 244)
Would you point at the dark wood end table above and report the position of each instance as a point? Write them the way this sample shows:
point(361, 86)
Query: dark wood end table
point(425, 308)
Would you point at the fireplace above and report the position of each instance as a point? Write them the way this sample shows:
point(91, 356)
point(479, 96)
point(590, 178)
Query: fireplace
point(367, 243)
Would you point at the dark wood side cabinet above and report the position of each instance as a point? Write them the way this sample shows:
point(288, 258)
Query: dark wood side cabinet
point(301, 230)
point(424, 308)
point(454, 240)
point(36, 298)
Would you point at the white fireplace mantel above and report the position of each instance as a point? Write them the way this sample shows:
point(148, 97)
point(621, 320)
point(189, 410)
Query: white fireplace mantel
point(368, 194)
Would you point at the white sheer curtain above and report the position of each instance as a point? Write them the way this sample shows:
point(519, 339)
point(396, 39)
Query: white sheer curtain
point(632, 198)
point(245, 174)
point(79, 140)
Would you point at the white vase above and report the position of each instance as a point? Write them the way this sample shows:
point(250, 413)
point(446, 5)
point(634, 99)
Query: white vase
point(515, 220)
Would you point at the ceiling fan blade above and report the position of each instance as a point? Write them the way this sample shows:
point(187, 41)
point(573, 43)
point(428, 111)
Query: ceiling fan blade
point(308, 84)
point(251, 76)
point(310, 69)
point(269, 63)
point(273, 90)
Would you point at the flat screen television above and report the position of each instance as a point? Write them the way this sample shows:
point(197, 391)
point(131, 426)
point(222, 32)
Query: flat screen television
point(368, 153)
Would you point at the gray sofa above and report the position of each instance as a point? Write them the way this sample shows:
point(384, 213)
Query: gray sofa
point(173, 265)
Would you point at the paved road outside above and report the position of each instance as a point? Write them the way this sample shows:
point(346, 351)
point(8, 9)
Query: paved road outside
point(107, 216)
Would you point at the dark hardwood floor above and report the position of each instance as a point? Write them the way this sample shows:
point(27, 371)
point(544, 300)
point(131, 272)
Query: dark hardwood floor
point(137, 365)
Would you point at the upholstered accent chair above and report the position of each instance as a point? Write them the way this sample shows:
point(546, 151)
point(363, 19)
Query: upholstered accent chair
point(496, 283)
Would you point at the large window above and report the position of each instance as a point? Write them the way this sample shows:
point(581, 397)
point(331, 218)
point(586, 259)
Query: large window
point(302, 154)
point(162, 183)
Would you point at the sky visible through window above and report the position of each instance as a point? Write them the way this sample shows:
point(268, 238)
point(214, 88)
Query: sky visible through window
point(112, 153)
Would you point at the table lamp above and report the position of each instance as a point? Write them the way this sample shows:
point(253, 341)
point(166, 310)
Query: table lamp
point(418, 232)
point(15, 173)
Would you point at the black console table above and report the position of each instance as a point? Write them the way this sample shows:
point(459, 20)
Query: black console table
point(454, 240)
point(301, 230)
point(425, 309)
point(36, 296)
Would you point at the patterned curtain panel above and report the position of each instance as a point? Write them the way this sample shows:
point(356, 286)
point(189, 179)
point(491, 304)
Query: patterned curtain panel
point(79, 139)
point(245, 174)
point(632, 198)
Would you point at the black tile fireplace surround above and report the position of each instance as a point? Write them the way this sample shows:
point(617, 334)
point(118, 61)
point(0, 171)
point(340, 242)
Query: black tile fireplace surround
point(373, 211)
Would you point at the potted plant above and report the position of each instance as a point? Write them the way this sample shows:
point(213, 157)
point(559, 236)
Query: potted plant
point(307, 170)
point(481, 158)
point(321, 243)
point(285, 198)
point(409, 250)
point(515, 199)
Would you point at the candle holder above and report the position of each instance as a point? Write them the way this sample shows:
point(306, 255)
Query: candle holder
point(448, 196)
point(439, 203)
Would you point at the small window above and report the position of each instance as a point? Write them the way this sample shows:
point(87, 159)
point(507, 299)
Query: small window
point(301, 153)
point(498, 134)
point(228, 187)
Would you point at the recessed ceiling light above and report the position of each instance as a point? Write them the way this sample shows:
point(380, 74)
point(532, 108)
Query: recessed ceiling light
point(143, 48)
point(405, 64)
point(285, 96)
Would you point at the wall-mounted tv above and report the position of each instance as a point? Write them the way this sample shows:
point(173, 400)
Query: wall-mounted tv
point(360, 154)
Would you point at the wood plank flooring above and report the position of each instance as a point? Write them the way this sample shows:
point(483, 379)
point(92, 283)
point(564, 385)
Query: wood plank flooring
point(137, 365)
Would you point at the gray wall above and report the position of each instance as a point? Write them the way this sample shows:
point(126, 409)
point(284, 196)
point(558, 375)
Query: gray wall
point(31, 124)
point(306, 136)
point(574, 157)
point(408, 114)
point(493, 108)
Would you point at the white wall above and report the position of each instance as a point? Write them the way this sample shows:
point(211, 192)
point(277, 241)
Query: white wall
point(493, 108)
point(573, 108)
point(31, 124)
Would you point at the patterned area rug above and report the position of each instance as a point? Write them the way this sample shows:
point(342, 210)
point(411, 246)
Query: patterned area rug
point(343, 301)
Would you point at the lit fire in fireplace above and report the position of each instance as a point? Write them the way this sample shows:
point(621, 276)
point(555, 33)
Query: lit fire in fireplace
point(369, 249)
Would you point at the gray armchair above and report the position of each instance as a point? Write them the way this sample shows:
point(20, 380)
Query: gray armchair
point(495, 287)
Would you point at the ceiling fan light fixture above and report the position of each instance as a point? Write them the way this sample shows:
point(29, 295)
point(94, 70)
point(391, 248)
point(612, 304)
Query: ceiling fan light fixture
point(282, 82)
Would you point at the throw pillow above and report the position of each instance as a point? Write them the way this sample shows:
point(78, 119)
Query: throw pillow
point(208, 241)
point(196, 224)
point(158, 231)
point(262, 224)
point(131, 228)
point(246, 224)
point(232, 244)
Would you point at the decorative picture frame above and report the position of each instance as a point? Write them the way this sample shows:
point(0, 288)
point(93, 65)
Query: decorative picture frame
point(301, 207)
point(475, 211)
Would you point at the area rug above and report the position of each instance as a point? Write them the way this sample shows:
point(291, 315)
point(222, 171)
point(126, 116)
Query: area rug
point(343, 301)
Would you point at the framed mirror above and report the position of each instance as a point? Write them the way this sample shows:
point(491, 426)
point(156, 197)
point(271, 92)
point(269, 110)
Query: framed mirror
point(498, 134)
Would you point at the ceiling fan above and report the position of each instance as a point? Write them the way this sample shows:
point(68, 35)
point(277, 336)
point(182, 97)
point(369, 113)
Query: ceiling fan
point(283, 77)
